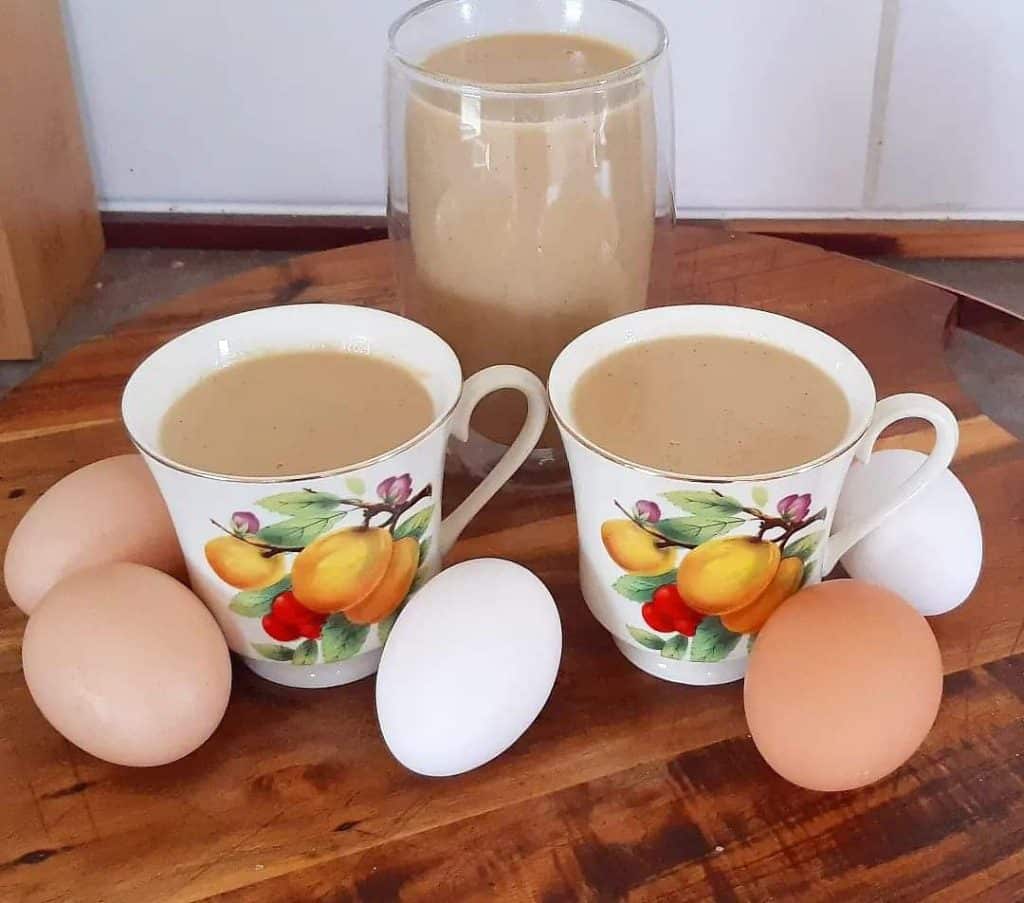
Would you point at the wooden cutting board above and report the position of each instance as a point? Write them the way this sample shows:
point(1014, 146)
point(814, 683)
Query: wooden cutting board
point(625, 786)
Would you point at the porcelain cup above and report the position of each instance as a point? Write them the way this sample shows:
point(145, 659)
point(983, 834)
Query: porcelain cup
point(778, 524)
point(272, 556)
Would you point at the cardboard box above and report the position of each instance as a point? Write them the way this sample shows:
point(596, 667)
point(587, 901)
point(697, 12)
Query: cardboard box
point(50, 236)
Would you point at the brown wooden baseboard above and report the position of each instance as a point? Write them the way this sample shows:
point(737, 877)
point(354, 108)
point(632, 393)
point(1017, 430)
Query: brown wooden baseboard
point(860, 238)
point(239, 232)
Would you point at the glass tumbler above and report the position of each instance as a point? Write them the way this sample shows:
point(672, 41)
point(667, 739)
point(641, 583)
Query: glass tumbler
point(522, 214)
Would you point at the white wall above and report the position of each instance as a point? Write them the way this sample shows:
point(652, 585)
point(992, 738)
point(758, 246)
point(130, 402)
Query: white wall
point(784, 108)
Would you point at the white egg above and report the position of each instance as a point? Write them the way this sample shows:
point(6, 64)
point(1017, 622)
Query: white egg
point(468, 666)
point(930, 550)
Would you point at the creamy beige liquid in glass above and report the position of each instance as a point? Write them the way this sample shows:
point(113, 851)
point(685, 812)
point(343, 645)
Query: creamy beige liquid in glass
point(710, 406)
point(531, 215)
point(294, 413)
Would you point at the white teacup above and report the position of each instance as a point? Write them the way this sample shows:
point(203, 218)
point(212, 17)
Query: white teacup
point(264, 525)
point(791, 509)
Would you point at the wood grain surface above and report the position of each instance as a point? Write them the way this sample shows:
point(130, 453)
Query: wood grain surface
point(626, 787)
point(972, 239)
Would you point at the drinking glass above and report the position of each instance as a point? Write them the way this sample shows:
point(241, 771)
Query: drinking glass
point(523, 214)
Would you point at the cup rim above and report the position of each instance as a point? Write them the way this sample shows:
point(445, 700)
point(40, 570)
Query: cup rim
point(151, 452)
point(837, 451)
point(510, 89)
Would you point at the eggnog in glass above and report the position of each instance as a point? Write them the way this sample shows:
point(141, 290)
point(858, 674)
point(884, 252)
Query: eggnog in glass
point(530, 182)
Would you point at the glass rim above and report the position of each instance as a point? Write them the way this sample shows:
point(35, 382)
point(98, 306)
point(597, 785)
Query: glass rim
point(527, 89)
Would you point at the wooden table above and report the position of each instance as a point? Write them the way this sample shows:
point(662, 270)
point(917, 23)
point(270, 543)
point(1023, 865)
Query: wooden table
point(625, 785)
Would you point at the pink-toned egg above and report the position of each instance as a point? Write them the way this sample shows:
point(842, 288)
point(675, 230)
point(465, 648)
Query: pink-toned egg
point(107, 511)
point(843, 685)
point(127, 664)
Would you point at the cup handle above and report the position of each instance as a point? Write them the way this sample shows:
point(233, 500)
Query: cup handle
point(887, 412)
point(503, 376)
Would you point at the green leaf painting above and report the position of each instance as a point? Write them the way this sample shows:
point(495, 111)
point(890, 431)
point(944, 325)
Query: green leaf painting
point(639, 588)
point(760, 496)
point(305, 653)
point(301, 502)
point(255, 603)
point(341, 639)
point(415, 525)
point(712, 642)
point(422, 576)
point(646, 638)
point(424, 550)
point(809, 567)
point(675, 647)
point(804, 547)
point(693, 531)
point(355, 485)
point(384, 627)
point(274, 651)
point(299, 531)
point(704, 502)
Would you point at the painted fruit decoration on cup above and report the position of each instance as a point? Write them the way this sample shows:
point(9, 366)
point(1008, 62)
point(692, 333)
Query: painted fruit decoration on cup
point(343, 578)
point(696, 604)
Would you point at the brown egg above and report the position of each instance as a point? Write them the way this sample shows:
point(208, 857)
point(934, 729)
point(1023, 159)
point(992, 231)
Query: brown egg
point(128, 664)
point(843, 685)
point(108, 511)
